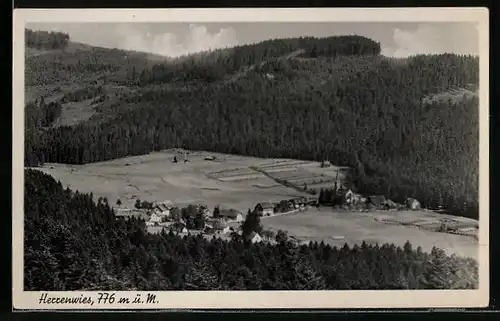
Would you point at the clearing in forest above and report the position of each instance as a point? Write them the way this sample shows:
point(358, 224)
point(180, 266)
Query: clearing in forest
point(232, 181)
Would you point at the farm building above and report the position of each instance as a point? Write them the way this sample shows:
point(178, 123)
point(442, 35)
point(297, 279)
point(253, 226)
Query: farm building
point(155, 219)
point(231, 214)
point(126, 213)
point(219, 225)
point(298, 202)
point(122, 212)
point(163, 208)
point(312, 201)
point(412, 203)
point(468, 229)
point(179, 227)
point(390, 204)
point(325, 164)
point(254, 237)
point(352, 198)
point(376, 200)
point(167, 224)
point(194, 208)
point(295, 204)
point(235, 235)
point(264, 208)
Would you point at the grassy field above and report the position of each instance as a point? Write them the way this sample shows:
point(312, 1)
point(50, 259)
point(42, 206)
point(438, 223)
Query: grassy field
point(231, 181)
point(337, 228)
point(228, 181)
point(300, 174)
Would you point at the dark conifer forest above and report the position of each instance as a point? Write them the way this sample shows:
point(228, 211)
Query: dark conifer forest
point(335, 99)
point(73, 242)
point(338, 100)
point(45, 39)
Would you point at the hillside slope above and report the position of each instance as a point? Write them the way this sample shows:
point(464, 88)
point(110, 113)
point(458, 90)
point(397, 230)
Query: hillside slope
point(320, 104)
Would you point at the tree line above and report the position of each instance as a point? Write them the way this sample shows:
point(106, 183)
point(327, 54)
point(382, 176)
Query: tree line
point(78, 63)
point(45, 39)
point(73, 242)
point(42, 114)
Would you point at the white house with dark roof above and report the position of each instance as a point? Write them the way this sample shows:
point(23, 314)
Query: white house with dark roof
point(154, 219)
point(254, 237)
point(231, 214)
point(163, 208)
point(264, 208)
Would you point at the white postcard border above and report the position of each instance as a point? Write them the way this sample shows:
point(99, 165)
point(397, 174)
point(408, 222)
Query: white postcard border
point(253, 299)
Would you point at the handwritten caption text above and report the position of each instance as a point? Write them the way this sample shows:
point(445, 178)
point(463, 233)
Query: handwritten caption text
point(101, 298)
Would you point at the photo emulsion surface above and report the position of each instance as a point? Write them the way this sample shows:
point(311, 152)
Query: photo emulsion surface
point(251, 156)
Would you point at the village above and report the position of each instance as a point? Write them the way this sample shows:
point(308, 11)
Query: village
point(199, 219)
point(226, 223)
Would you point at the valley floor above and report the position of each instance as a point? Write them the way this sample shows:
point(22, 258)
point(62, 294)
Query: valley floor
point(232, 182)
point(337, 228)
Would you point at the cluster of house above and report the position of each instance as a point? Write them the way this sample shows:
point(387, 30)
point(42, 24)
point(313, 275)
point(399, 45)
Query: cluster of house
point(378, 201)
point(220, 227)
point(161, 216)
point(284, 206)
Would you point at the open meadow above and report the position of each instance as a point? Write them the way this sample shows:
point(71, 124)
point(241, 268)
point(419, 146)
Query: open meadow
point(337, 228)
point(304, 174)
point(227, 181)
point(240, 182)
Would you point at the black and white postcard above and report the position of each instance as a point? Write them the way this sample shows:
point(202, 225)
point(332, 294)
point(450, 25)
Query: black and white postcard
point(250, 158)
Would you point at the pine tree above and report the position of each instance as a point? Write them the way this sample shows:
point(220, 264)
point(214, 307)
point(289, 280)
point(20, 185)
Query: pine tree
point(320, 196)
point(251, 224)
point(437, 271)
point(216, 212)
point(281, 236)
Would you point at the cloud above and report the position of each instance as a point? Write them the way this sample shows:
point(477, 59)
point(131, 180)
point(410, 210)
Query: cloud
point(460, 38)
point(147, 37)
point(196, 39)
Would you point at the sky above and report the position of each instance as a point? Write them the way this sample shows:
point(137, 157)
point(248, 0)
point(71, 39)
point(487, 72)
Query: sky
point(399, 39)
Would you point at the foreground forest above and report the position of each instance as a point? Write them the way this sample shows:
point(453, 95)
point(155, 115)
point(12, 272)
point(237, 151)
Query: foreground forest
point(73, 242)
point(336, 99)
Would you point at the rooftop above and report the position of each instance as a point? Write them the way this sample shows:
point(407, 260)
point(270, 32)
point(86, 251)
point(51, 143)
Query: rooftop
point(229, 212)
point(266, 204)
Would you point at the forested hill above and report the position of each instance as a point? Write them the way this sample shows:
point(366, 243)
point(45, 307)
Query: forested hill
point(338, 99)
point(216, 65)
